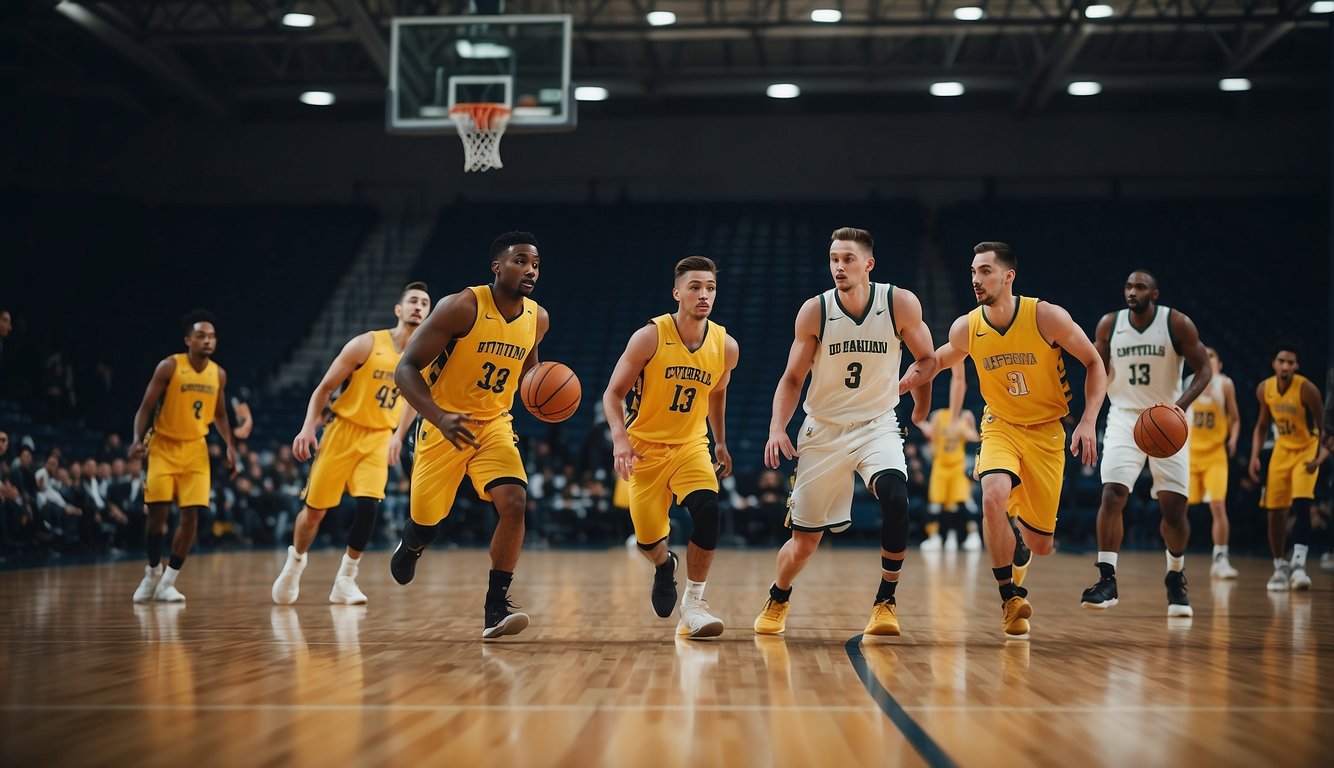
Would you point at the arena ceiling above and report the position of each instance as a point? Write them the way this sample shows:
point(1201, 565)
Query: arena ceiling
point(235, 59)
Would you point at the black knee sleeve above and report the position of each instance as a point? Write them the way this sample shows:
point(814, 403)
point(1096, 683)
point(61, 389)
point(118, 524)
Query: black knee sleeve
point(891, 489)
point(363, 523)
point(1301, 522)
point(703, 507)
point(417, 536)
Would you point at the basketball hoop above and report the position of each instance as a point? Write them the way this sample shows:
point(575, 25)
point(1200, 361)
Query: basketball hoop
point(480, 125)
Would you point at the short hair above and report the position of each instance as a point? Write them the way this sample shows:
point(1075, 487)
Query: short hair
point(861, 236)
point(1153, 279)
point(197, 316)
point(507, 239)
point(1004, 253)
point(1286, 346)
point(416, 285)
point(695, 264)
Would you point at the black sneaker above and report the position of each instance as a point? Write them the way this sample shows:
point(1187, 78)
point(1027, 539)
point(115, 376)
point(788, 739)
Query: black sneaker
point(1100, 596)
point(403, 563)
point(502, 620)
point(664, 587)
point(1178, 602)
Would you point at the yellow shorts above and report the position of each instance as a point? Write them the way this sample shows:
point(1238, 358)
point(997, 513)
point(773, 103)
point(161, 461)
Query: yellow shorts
point(439, 467)
point(177, 470)
point(1034, 456)
point(620, 495)
point(352, 458)
point(1288, 478)
point(1208, 477)
point(949, 486)
point(666, 473)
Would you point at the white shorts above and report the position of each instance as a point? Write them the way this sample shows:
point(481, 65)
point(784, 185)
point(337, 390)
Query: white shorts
point(829, 455)
point(1122, 460)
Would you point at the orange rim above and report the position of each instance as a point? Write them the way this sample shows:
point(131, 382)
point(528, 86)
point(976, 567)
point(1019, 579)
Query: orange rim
point(482, 113)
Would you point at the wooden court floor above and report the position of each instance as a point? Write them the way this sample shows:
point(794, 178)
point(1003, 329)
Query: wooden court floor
point(230, 679)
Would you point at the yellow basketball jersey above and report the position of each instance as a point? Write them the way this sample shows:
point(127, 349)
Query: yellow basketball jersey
point(478, 374)
point(188, 402)
point(1208, 421)
point(371, 399)
point(947, 449)
point(670, 401)
point(1021, 374)
point(1296, 428)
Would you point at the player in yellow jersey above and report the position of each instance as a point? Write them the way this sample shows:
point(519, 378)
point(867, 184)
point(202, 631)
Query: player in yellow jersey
point(1215, 424)
point(1291, 402)
point(189, 392)
point(1017, 344)
point(364, 437)
point(475, 349)
point(675, 371)
point(950, 487)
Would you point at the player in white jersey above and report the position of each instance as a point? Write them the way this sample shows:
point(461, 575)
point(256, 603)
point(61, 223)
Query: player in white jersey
point(1143, 347)
point(849, 340)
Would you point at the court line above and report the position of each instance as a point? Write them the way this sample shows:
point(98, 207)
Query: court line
point(917, 736)
point(407, 708)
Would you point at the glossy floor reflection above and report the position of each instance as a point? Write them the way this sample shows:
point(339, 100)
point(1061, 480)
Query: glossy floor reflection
point(228, 678)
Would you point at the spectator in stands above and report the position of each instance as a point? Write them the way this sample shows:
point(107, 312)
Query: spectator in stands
point(112, 448)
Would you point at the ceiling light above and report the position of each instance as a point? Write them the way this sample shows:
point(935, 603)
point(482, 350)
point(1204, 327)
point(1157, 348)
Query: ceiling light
point(1322, 6)
point(1099, 11)
point(826, 15)
point(947, 89)
point(591, 93)
point(782, 91)
point(299, 20)
point(317, 98)
point(969, 13)
point(660, 18)
point(1084, 88)
point(1234, 84)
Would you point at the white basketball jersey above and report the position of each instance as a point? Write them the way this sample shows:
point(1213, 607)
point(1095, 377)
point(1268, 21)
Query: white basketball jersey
point(1146, 367)
point(855, 376)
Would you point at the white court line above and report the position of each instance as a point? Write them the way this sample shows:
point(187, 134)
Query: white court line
point(455, 708)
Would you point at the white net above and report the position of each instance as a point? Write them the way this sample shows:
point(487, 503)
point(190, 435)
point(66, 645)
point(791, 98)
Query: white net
point(480, 126)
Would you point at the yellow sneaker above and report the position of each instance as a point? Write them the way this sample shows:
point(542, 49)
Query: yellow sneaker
point(1015, 614)
point(883, 620)
point(772, 618)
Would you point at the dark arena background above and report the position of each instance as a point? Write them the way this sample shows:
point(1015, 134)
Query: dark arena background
point(291, 166)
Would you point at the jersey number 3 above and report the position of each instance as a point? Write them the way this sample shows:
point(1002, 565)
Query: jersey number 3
point(489, 371)
point(1018, 385)
point(854, 378)
point(683, 400)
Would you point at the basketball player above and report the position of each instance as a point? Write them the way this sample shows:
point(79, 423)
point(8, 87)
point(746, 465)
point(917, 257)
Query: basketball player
point(1215, 424)
point(1017, 344)
point(1143, 347)
point(950, 487)
point(359, 445)
point(476, 346)
point(848, 340)
point(675, 370)
point(190, 389)
point(1292, 402)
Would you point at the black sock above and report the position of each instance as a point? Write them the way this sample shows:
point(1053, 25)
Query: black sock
point(175, 562)
point(1008, 590)
point(886, 591)
point(499, 586)
point(780, 595)
point(1108, 570)
point(666, 568)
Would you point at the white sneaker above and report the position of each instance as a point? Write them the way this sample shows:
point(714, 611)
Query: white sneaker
point(1222, 569)
point(167, 593)
point(973, 542)
point(932, 544)
point(952, 541)
point(288, 584)
point(144, 592)
point(696, 621)
point(1279, 581)
point(1299, 580)
point(346, 592)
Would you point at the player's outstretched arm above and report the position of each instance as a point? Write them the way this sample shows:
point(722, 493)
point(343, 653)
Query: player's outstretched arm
point(1258, 436)
point(799, 361)
point(156, 386)
point(1197, 357)
point(643, 343)
point(950, 357)
point(354, 353)
point(1056, 325)
point(722, 458)
point(917, 337)
point(453, 317)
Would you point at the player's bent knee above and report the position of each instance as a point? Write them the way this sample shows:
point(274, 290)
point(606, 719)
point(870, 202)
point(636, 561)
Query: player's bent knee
point(892, 491)
point(703, 508)
point(363, 523)
point(1115, 492)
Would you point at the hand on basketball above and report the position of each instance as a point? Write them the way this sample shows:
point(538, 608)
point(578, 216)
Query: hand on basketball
point(779, 442)
point(1254, 468)
point(304, 444)
point(1084, 444)
point(623, 460)
point(722, 461)
point(454, 426)
point(1180, 411)
point(395, 448)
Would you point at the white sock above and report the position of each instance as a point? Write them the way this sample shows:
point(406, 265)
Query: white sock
point(1107, 557)
point(169, 575)
point(694, 591)
point(1176, 563)
point(1279, 563)
point(349, 566)
point(1299, 555)
point(300, 557)
point(1220, 550)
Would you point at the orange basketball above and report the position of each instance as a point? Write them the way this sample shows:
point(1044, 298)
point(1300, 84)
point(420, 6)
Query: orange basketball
point(1160, 431)
point(551, 391)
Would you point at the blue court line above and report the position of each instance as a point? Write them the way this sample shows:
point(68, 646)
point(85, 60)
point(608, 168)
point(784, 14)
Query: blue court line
point(914, 733)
